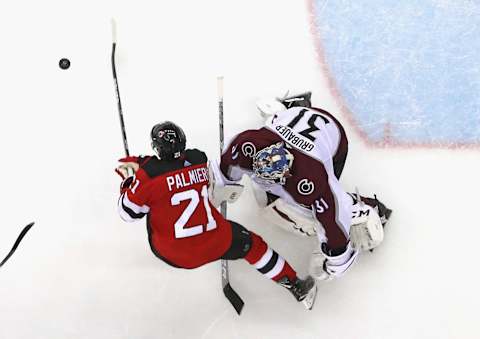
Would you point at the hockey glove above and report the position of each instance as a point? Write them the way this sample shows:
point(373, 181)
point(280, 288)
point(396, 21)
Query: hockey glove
point(366, 230)
point(221, 189)
point(126, 184)
point(129, 166)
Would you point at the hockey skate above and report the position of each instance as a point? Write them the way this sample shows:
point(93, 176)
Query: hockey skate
point(382, 210)
point(271, 106)
point(304, 290)
point(297, 100)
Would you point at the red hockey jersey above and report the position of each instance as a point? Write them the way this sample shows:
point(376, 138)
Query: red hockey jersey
point(184, 229)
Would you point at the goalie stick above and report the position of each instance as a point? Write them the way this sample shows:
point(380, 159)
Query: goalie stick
point(117, 91)
point(17, 242)
point(229, 292)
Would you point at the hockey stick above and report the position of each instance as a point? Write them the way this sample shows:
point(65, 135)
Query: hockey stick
point(117, 91)
point(17, 242)
point(229, 292)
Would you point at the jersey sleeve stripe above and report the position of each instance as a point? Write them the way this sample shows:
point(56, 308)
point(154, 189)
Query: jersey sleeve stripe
point(123, 214)
point(343, 223)
point(126, 213)
point(134, 207)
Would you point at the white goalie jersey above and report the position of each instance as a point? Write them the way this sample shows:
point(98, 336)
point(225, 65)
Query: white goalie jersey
point(313, 191)
point(313, 132)
point(317, 134)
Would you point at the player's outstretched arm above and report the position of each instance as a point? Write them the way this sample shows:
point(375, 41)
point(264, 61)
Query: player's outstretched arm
point(132, 204)
point(335, 253)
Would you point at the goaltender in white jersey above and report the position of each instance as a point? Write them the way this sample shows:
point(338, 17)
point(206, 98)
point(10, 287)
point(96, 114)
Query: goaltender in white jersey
point(295, 163)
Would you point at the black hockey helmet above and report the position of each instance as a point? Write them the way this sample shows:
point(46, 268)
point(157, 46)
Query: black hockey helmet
point(168, 140)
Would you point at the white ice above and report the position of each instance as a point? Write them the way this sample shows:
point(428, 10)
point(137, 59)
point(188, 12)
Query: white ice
point(83, 273)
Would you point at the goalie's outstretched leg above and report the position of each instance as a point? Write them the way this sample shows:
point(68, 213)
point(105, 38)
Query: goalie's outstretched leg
point(252, 248)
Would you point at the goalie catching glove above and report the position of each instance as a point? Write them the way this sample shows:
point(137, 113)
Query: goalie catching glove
point(221, 189)
point(366, 230)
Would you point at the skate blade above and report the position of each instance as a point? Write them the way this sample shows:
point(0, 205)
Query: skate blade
point(388, 213)
point(309, 300)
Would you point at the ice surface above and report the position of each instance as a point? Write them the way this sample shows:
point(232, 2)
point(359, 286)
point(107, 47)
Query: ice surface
point(413, 65)
point(83, 273)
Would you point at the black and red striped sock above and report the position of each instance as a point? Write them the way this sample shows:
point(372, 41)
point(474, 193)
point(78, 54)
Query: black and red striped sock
point(267, 261)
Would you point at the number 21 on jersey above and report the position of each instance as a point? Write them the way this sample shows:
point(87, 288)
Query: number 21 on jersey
point(194, 201)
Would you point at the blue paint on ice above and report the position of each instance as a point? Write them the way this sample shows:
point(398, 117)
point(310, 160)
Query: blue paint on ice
point(412, 64)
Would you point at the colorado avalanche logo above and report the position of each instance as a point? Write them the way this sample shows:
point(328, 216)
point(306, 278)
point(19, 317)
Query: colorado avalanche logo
point(248, 149)
point(305, 187)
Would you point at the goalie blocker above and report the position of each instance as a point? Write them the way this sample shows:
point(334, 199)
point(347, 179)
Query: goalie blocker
point(221, 189)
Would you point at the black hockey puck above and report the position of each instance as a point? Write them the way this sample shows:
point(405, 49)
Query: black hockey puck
point(64, 63)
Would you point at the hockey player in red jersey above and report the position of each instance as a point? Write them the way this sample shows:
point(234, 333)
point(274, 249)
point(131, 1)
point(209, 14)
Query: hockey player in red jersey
point(184, 229)
point(295, 162)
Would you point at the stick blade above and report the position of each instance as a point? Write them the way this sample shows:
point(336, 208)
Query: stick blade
point(233, 297)
point(17, 242)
